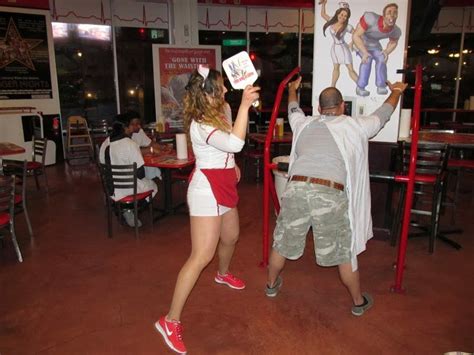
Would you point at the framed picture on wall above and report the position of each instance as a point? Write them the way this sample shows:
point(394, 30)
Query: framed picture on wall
point(24, 57)
point(172, 67)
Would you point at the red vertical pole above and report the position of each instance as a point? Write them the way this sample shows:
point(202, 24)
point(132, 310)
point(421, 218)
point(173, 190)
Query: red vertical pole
point(402, 248)
point(267, 184)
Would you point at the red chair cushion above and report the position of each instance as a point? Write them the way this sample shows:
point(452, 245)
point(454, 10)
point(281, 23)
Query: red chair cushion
point(18, 199)
point(140, 196)
point(4, 218)
point(461, 163)
point(32, 165)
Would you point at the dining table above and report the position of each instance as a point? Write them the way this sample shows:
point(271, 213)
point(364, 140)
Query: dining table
point(259, 139)
point(455, 140)
point(7, 148)
point(167, 161)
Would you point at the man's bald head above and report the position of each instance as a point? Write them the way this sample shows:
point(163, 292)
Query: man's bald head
point(330, 98)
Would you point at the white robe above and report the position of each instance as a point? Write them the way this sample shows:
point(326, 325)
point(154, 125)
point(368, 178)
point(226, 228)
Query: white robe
point(352, 138)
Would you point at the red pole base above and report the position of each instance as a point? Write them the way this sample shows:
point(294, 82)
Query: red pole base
point(262, 264)
point(399, 290)
point(394, 266)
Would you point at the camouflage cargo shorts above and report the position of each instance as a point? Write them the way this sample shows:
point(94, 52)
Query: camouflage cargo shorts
point(326, 210)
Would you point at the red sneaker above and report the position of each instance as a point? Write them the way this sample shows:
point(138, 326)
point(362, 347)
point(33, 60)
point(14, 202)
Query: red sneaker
point(172, 332)
point(230, 280)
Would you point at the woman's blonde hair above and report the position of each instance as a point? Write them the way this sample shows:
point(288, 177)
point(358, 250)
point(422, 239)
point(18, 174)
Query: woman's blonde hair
point(204, 102)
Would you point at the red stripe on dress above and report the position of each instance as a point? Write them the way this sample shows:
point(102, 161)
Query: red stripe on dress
point(226, 161)
point(210, 134)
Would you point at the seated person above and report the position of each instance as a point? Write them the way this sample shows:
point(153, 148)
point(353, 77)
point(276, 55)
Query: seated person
point(144, 142)
point(120, 149)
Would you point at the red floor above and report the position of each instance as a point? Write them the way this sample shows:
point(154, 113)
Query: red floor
point(78, 292)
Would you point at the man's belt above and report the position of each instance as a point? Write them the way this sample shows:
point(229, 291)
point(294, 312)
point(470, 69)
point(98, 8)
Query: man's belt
point(312, 180)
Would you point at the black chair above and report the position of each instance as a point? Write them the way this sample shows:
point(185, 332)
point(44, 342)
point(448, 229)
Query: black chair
point(7, 209)
point(252, 151)
point(19, 169)
point(99, 133)
point(37, 166)
point(431, 165)
point(123, 177)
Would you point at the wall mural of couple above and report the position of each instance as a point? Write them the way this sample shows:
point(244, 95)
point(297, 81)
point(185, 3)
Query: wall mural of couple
point(364, 40)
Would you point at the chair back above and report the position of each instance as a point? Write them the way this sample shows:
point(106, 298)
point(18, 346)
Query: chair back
point(432, 159)
point(7, 194)
point(39, 149)
point(100, 128)
point(19, 169)
point(119, 177)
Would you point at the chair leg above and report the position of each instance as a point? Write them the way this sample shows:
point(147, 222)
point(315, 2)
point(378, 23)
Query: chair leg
point(109, 218)
point(15, 243)
point(135, 218)
point(435, 216)
point(27, 218)
point(151, 212)
point(257, 163)
point(394, 231)
point(244, 167)
point(45, 179)
point(36, 179)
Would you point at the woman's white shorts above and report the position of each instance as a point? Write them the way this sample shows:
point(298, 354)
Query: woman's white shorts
point(201, 200)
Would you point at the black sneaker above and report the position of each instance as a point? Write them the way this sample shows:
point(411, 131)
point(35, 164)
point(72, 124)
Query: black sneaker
point(360, 309)
point(273, 291)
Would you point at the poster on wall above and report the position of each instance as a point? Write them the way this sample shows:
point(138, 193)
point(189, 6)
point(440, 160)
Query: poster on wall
point(172, 66)
point(24, 58)
point(358, 46)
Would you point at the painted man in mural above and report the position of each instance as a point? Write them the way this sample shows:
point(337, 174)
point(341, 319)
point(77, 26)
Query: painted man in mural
point(371, 29)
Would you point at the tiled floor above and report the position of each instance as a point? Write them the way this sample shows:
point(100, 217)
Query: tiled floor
point(78, 292)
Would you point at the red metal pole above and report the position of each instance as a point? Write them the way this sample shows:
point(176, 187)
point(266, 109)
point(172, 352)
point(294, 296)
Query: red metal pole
point(402, 248)
point(267, 166)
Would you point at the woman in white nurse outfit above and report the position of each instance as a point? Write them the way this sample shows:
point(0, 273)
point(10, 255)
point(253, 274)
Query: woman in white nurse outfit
point(340, 50)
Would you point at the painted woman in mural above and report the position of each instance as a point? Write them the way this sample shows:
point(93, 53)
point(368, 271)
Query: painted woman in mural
point(338, 27)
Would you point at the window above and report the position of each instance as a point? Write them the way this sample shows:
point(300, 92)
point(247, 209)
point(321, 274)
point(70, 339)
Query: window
point(275, 55)
point(307, 45)
point(84, 63)
point(439, 55)
point(466, 89)
point(135, 68)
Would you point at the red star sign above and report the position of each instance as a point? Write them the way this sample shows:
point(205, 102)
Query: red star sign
point(14, 48)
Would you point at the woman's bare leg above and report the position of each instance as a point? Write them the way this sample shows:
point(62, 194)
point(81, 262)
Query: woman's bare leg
point(205, 232)
point(229, 236)
point(352, 72)
point(335, 74)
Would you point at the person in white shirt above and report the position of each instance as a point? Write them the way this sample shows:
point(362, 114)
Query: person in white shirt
point(212, 192)
point(140, 137)
point(328, 189)
point(120, 149)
